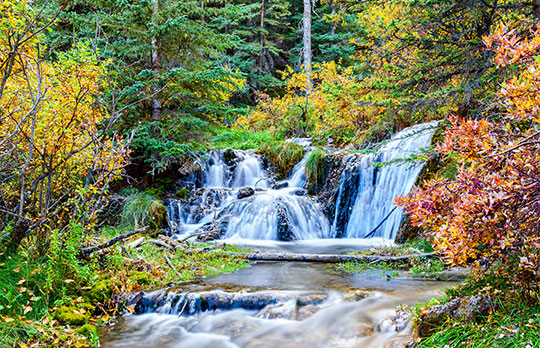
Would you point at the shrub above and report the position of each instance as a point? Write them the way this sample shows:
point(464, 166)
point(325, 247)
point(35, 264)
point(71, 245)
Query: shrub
point(282, 156)
point(142, 209)
point(487, 212)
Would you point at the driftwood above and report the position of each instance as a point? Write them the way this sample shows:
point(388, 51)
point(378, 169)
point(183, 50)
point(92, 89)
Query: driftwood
point(172, 266)
point(89, 250)
point(325, 258)
point(161, 244)
point(201, 250)
point(137, 243)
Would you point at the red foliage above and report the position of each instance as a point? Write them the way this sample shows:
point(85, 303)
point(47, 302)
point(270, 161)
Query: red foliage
point(489, 212)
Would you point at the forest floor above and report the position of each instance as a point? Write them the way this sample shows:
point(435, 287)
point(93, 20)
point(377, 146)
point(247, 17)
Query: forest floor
point(50, 309)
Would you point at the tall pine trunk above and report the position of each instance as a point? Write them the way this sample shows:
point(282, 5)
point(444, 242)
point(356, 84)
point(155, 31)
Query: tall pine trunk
point(156, 101)
point(307, 44)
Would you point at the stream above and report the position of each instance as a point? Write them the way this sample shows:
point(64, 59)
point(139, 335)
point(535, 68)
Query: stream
point(276, 304)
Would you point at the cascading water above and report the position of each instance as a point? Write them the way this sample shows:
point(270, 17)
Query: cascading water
point(244, 207)
point(364, 204)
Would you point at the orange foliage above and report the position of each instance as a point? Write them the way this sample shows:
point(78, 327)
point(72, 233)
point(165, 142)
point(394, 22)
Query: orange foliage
point(488, 213)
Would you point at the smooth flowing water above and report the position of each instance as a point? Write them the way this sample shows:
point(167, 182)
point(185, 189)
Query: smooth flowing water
point(271, 305)
point(276, 305)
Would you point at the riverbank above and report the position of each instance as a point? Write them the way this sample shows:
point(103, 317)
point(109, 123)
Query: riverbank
point(60, 301)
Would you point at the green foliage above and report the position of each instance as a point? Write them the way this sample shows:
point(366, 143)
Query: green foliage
point(282, 156)
point(237, 138)
point(142, 209)
point(316, 167)
point(182, 193)
point(63, 263)
point(15, 331)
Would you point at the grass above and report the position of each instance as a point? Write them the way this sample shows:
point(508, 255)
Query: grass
point(234, 138)
point(513, 324)
point(58, 300)
point(189, 266)
point(315, 167)
point(282, 156)
point(143, 209)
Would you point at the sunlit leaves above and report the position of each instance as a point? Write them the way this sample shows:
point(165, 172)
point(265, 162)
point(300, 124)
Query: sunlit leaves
point(488, 212)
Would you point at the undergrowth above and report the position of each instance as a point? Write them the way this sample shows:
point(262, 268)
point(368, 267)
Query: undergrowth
point(315, 167)
point(235, 138)
point(282, 156)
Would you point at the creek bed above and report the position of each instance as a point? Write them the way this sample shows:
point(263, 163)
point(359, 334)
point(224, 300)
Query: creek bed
point(288, 305)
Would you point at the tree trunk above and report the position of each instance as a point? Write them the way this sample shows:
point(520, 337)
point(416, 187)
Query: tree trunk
point(536, 9)
point(332, 13)
point(326, 258)
point(261, 38)
point(307, 44)
point(156, 101)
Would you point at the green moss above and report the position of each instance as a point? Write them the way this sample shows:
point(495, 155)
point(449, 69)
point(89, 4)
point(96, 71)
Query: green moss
point(315, 168)
point(182, 193)
point(100, 292)
point(282, 156)
point(72, 316)
point(87, 330)
point(142, 278)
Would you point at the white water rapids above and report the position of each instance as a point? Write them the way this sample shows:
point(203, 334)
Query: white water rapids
point(300, 305)
point(363, 208)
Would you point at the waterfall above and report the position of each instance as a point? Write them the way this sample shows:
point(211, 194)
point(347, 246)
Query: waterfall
point(364, 204)
point(276, 215)
point(236, 198)
point(298, 175)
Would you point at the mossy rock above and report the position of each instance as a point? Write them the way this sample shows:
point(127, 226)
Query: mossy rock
point(229, 155)
point(72, 316)
point(182, 193)
point(316, 168)
point(282, 156)
point(100, 292)
point(87, 330)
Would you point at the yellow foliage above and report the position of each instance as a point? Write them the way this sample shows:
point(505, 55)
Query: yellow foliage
point(330, 110)
point(50, 136)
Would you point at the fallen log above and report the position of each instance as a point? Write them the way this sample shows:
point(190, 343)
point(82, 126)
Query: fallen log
point(326, 258)
point(89, 250)
point(161, 244)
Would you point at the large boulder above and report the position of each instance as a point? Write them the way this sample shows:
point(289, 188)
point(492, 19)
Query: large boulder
point(467, 309)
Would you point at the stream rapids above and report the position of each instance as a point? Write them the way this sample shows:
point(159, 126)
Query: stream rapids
point(288, 304)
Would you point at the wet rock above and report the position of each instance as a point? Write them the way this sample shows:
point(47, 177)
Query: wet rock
point(468, 309)
point(284, 231)
point(396, 323)
point(280, 185)
point(245, 192)
point(298, 192)
point(357, 295)
point(278, 311)
point(306, 312)
point(229, 156)
point(311, 299)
